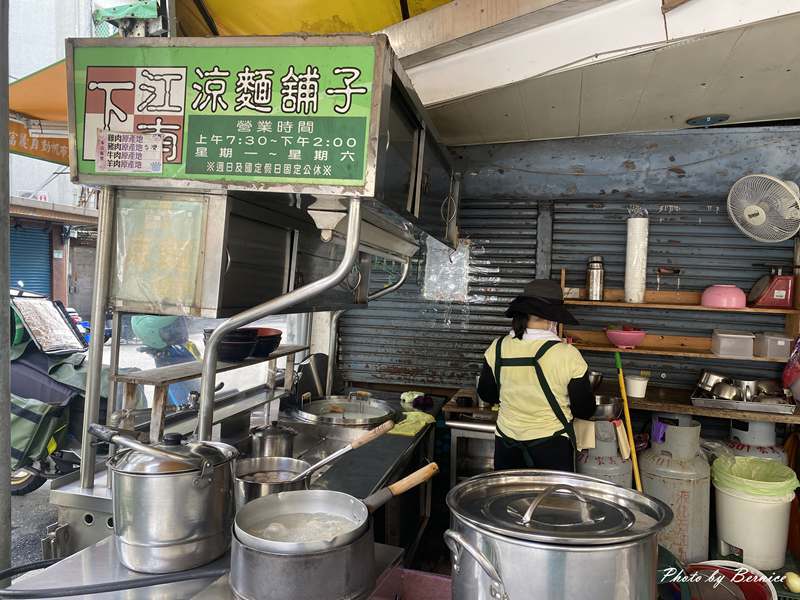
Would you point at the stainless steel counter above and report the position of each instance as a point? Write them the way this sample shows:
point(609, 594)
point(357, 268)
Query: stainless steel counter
point(100, 564)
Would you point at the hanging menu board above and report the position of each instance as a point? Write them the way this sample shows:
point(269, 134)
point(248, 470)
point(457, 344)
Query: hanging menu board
point(248, 112)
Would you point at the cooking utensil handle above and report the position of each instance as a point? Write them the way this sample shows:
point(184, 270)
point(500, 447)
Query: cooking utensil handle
point(101, 432)
point(109, 435)
point(551, 490)
point(456, 543)
point(372, 434)
point(416, 478)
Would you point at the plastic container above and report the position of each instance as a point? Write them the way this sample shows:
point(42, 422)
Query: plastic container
point(636, 385)
point(772, 345)
point(723, 296)
point(753, 501)
point(733, 344)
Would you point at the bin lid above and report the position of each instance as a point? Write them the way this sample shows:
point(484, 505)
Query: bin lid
point(556, 507)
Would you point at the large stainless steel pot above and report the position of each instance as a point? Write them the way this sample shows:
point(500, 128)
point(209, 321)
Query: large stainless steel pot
point(172, 502)
point(516, 535)
point(273, 440)
point(345, 572)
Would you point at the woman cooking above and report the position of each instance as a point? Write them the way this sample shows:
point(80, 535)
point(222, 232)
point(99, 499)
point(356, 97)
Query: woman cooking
point(540, 382)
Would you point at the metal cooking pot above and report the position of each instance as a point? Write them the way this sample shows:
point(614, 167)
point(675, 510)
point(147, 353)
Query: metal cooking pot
point(251, 523)
point(273, 440)
point(285, 474)
point(347, 411)
point(748, 388)
point(545, 534)
point(344, 572)
point(172, 502)
point(607, 408)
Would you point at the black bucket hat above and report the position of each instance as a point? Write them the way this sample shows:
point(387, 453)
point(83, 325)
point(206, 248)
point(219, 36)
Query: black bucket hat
point(542, 298)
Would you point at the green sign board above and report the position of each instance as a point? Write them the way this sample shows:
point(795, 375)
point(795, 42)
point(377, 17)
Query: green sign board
point(239, 114)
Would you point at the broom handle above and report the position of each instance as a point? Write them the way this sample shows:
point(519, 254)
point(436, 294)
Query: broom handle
point(628, 426)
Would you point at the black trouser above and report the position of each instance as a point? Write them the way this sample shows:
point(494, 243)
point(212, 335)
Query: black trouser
point(555, 454)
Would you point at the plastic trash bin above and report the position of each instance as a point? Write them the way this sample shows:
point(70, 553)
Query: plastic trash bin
point(753, 498)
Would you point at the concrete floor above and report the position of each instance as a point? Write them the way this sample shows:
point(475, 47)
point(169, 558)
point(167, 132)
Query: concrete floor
point(30, 516)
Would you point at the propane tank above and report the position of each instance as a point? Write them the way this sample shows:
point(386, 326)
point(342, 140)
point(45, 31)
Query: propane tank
point(675, 471)
point(751, 438)
point(603, 461)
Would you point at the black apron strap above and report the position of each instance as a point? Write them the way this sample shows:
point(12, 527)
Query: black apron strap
point(498, 363)
point(550, 396)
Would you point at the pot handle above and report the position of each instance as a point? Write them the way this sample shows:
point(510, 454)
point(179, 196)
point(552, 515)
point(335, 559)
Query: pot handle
point(551, 490)
point(456, 543)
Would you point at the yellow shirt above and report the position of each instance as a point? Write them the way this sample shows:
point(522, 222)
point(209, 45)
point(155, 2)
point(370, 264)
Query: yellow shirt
point(524, 412)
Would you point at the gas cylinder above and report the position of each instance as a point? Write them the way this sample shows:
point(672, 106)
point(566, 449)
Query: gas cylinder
point(675, 471)
point(751, 438)
point(603, 461)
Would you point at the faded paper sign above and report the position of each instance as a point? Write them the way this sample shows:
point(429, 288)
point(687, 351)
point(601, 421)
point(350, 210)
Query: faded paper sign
point(119, 152)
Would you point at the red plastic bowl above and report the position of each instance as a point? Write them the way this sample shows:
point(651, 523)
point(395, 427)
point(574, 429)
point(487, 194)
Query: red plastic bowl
point(268, 332)
point(625, 339)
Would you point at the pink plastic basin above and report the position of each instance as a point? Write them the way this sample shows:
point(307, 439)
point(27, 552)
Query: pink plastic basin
point(625, 339)
point(723, 296)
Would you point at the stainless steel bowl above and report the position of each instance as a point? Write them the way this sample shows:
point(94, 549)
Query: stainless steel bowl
point(608, 408)
point(708, 380)
point(726, 391)
point(280, 470)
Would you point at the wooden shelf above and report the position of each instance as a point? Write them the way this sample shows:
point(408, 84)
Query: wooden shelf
point(670, 352)
point(695, 307)
point(655, 345)
point(663, 300)
point(679, 401)
point(191, 370)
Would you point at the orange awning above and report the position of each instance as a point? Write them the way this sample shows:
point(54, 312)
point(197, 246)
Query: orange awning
point(41, 95)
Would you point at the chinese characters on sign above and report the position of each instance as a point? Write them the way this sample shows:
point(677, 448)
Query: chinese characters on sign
point(135, 100)
point(129, 152)
point(300, 147)
point(20, 141)
point(282, 114)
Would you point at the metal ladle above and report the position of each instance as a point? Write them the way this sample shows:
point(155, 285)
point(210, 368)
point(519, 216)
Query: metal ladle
point(356, 443)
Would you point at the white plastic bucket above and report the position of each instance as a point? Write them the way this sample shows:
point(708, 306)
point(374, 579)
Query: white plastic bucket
point(756, 525)
point(636, 385)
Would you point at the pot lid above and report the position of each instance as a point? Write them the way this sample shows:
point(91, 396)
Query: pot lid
point(188, 457)
point(556, 507)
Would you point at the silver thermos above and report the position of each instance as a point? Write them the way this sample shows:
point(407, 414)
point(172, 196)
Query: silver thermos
point(595, 275)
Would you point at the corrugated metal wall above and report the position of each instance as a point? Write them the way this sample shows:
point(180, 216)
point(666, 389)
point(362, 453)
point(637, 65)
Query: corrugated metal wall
point(681, 177)
point(694, 235)
point(404, 338)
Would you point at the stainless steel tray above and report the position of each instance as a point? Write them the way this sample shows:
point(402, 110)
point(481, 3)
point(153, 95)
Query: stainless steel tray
point(781, 409)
